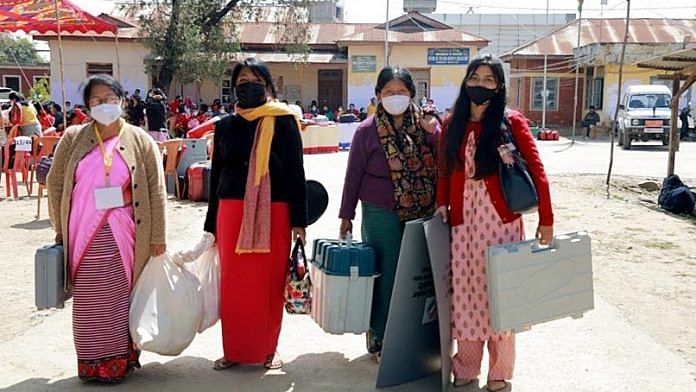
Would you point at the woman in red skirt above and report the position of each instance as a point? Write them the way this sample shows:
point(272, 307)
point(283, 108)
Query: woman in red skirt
point(257, 207)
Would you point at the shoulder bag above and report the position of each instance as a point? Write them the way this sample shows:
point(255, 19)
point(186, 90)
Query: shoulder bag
point(516, 184)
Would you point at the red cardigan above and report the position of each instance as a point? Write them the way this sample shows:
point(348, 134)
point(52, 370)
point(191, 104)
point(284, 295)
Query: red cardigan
point(450, 188)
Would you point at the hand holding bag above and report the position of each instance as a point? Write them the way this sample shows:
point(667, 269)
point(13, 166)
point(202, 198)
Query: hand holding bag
point(298, 290)
point(516, 184)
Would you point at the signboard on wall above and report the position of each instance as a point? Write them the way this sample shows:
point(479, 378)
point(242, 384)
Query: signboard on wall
point(448, 56)
point(292, 93)
point(363, 64)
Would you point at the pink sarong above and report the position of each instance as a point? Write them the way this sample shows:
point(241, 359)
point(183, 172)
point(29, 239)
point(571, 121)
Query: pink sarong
point(86, 220)
point(102, 255)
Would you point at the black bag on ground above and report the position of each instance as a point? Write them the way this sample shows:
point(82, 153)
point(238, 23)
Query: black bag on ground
point(676, 197)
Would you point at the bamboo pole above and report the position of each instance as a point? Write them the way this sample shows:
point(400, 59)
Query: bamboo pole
point(577, 77)
point(544, 94)
point(386, 39)
point(60, 60)
point(618, 99)
point(118, 58)
point(674, 107)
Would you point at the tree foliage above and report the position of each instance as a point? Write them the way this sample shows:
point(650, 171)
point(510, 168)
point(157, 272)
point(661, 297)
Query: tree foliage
point(195, 40)
point(41, 91)
point(19, 50)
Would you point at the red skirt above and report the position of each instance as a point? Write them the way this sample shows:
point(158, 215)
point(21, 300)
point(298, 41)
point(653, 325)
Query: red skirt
point(251, 285)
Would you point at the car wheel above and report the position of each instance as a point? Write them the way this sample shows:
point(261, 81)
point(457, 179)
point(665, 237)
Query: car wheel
point(626, 141)
point(665, 141)
point(619, 138)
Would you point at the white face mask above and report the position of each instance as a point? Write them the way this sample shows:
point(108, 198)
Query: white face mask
point(106, 113)
point(396, 105)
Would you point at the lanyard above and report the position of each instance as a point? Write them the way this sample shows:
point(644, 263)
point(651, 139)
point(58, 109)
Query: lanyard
point(107, 156)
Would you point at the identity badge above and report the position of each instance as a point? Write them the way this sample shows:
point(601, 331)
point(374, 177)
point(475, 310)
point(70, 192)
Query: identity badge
point(106, 198)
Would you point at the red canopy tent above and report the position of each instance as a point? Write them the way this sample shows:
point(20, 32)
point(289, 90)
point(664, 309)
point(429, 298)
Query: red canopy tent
point(43, 16)
point(56, 16)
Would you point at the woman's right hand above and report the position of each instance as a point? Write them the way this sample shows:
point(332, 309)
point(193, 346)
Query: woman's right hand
point(59, 239)
point(346, 226)
point(442, 213)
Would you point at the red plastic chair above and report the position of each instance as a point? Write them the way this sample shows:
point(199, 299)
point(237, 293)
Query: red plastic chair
point(19, 165)
point(42, 147)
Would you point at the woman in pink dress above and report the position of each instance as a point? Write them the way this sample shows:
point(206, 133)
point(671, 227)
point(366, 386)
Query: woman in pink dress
point(470, 198)
point(107, 196)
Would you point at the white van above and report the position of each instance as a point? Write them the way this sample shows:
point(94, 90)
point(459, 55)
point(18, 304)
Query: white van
point(644, 114)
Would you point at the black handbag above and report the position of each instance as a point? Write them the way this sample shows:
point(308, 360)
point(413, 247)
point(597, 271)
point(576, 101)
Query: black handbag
point(42, 169)
point(516, 184)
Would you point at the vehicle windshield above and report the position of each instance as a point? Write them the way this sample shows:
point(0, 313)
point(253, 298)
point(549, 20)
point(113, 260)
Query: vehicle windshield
point(640, 101)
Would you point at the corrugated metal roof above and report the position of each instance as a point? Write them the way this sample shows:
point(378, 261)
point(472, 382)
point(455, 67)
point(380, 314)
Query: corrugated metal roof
point(319, 33)
point(675, 61)
point(441, 36)
point(562, 41)
point(327, 34)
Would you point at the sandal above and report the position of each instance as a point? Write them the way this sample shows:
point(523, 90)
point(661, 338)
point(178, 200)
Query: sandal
point(377, 356)
point(222, 364)
point(273, 362)
point(462, 382)
point(496, 385)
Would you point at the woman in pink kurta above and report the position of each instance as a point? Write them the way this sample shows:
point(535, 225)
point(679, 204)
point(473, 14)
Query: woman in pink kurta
point(470, 198)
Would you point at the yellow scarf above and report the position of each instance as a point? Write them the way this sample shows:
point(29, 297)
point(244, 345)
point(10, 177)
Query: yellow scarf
point(255, 232)
point(268, 111)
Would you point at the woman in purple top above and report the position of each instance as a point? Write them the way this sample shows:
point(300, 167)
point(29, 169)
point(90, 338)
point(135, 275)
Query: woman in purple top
point(392, 170)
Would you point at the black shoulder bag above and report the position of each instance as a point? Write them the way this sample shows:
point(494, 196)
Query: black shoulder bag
point(516, 184)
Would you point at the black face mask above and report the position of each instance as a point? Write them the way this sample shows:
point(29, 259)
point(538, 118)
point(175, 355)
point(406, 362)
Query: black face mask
point(480, 95)
point(250, 95)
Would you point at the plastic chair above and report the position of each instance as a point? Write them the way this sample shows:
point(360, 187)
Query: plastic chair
point(19, 165)
point(171, 149)
point(45, 146)
point(41, 147)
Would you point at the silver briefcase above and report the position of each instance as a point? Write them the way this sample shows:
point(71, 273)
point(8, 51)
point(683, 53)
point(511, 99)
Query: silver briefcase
point(49, 275)
point(528, 284)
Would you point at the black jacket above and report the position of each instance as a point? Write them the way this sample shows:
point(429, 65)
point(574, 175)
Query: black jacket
point(234, 138)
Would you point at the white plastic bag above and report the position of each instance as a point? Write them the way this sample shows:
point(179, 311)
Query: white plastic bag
point(166, 307)
point(207, 270)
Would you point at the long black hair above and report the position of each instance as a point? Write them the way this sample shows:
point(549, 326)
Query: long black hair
point(19, 98)
point(258, 68)
point(492, 124)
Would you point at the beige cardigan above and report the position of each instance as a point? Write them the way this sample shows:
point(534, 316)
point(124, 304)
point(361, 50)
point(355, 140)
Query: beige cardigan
point(141, 154)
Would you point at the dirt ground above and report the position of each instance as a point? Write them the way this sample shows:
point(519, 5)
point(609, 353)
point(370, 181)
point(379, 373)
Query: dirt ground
point(644, 259)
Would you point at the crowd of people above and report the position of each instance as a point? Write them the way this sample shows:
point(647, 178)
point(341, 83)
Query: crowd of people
point(334, 114)
point(32, 118)
point(403, 164)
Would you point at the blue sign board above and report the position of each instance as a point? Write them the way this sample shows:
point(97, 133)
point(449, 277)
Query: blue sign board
point(448, 56)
